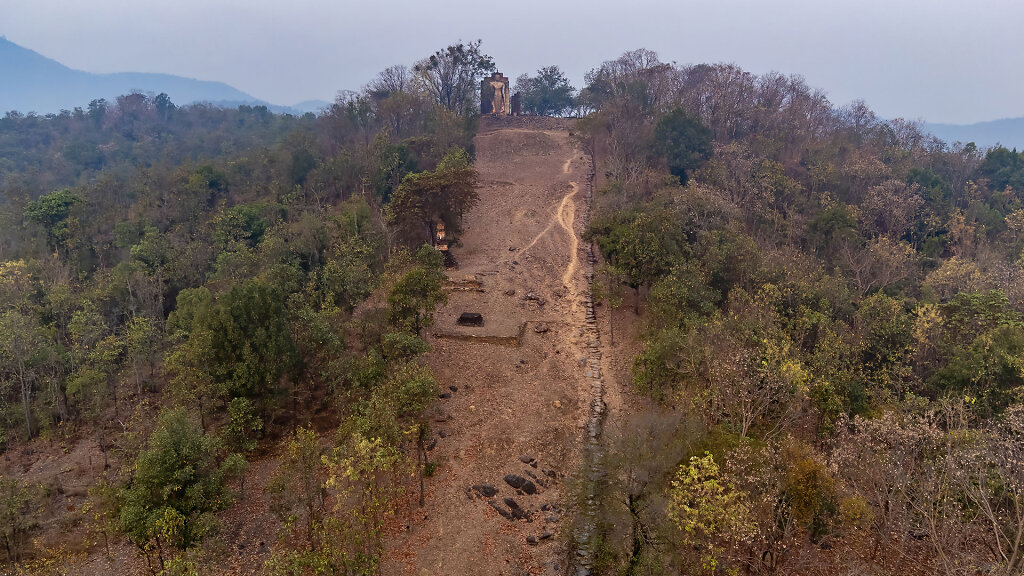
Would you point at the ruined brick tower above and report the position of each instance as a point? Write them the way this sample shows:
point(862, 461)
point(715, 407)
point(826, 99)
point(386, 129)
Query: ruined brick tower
point(495, 97)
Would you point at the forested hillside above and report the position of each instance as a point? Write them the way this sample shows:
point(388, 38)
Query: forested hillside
point(183, 291)
point(833, 333)
point(213, 323)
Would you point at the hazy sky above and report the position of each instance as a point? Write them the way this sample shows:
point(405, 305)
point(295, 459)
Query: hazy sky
point(938, 60)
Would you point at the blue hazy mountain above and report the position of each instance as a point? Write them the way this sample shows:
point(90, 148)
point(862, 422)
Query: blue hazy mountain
point(314, 106)
point(1009, 132)
point(31, 82)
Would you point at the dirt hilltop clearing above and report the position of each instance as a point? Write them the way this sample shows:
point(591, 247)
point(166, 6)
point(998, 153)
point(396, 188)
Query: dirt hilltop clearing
point(516, 400)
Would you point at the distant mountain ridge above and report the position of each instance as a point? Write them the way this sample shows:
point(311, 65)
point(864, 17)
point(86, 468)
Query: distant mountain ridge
point(31, 82)
point(1008, 132)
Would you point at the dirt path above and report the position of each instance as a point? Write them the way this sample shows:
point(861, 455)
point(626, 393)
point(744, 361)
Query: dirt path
point(516, 387)
point(566, 218)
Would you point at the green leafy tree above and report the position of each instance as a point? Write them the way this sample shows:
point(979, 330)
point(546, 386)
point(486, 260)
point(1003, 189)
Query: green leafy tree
point(242, 225)
point(444, 195)
point(253, 347)
point(240, 345)
point(812, 495)
point(684, 297)
point(297, 488)
point(684, 141)
point(352, 489)
point(153, 256)
point(606, 288)
point(1003, 168)
point(141, 340)
point(412, 300)
point(549, 93)
point(164, 107)
point(53, 212)
point(242, 431)
point(19, 514)
point(190, 362)
point(712, 515)
point(642, 250)
point(26, 350)
point(177, 485)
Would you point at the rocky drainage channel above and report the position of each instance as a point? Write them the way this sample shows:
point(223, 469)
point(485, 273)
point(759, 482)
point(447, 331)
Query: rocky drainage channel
point(586, 522)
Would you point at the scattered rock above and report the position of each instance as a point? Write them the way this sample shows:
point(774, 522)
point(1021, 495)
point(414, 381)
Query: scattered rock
point(485, 490)
point(550, 473)
point(545, 507)
point(541, 328)
point(515, 481)
point(527, 459)
point(545, 535)
point(470, 319)
point(442, 433)
point(516, 510)
point(535, 298)
point(531, 539)
point(511, 248)
point(552, 518)
point(453, 388)
point(444, 395)
point(510, 292)
point(529, 487)
point(505, 513)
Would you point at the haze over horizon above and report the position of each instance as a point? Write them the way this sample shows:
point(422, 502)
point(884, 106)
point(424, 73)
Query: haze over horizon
point(936, 60)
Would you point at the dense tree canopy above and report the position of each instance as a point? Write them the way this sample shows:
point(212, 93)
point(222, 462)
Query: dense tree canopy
point(684, 141)
point(829, 307)
point(549, 93)
point(836, 298)
point(178, 482)
point(214, 265)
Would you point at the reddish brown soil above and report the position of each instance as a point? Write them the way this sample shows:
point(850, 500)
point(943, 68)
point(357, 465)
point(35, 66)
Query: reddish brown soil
point(512, 400)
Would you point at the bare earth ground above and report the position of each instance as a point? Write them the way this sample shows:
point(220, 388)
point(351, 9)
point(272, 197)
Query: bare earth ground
point(521, 247)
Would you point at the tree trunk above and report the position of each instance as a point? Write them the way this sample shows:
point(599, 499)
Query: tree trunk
point(636, 300)
point(636, 529)
point(202, 413)
point(26, 400)
point(421, 459)
point(611, 326)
